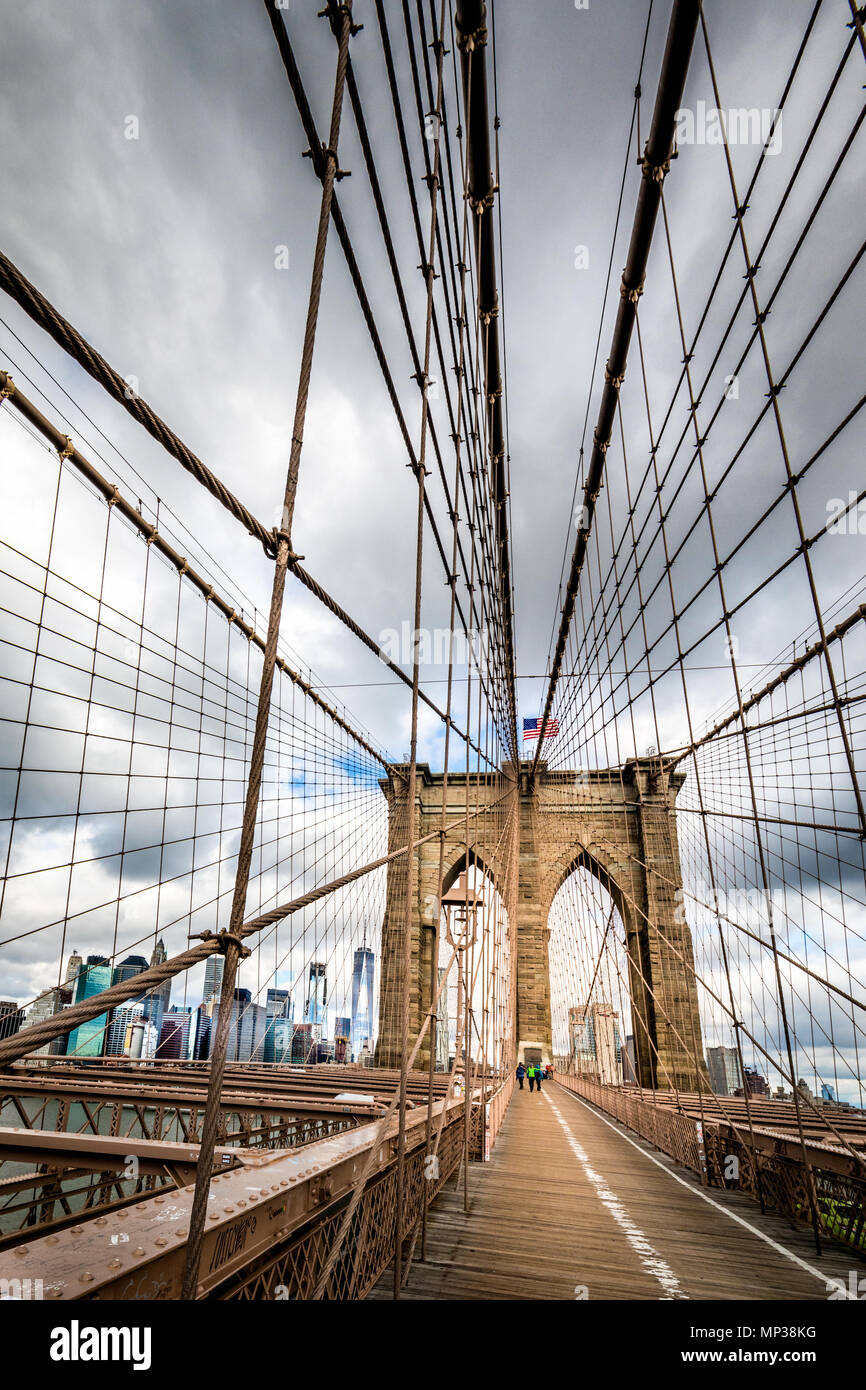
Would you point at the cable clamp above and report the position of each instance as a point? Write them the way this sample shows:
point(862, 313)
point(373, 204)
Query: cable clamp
point(344, 11)
point(626, 292)
point(601, 445)
point(224, 939)
point(656, 172)
point(468, 43)
point(8, 389)
point(484, 204)
point(614, 381)
point(68, 449)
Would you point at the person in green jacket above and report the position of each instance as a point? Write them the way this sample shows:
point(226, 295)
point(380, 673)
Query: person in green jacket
point(532, 1075)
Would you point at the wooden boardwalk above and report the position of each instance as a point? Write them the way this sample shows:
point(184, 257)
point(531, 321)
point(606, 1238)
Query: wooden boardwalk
point(571, 1201)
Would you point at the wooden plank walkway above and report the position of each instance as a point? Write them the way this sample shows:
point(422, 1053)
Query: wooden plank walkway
point(570, 1200)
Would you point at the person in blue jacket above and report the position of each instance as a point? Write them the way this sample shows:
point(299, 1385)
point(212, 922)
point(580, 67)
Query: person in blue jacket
point(521, 1072)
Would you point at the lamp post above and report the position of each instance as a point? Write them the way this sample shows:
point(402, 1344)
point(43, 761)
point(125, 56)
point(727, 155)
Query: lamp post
point(461, 904)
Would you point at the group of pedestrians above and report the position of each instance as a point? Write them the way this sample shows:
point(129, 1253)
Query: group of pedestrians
point(534, 1073)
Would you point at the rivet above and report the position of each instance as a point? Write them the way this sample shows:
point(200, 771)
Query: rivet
point(54, 1293)
point(228, 1210)
point(50, 1240)
point(86, 1277)
point(141, 1206)
point(158, 1201)
point(101, 1221)
point(213, 1216)
point(114, 1264)
point(139, 1250)
point(21, 1250)
point(241, 1202)
point(160, 1240)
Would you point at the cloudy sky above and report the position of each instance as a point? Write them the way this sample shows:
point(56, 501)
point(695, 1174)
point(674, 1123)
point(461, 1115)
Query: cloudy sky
point(165, 251)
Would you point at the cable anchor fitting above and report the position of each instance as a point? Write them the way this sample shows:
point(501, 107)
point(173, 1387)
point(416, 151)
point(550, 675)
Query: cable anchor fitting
point(614, 381)
point(477, 38)
point(656, 172)
point(626, 291)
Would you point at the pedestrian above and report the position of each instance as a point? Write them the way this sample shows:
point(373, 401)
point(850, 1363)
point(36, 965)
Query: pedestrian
point(539, 1077)
point(531, 1074)
point(521, 1072)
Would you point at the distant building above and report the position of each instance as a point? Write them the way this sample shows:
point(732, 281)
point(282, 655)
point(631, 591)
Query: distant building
point(174, 1036)
point(11, 1017)
point(73, 966)
point(755, 1083)
point(442, 1042)
point(827, 1091)
point(201, 1041)
point(303, 1043)
point(362, 999)
point(629, 1062)
point(163, 991)
point(88, 1039)
point(213, 978)
point(46, 1006)
point(595, 1042)
point(279, 1050)
point(131, 1033)
point(279, 1009)
point(723, 1065)
point(342, 1039)
point(315, 1010)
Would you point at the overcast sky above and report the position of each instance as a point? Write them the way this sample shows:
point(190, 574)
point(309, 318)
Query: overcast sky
point(161, 249)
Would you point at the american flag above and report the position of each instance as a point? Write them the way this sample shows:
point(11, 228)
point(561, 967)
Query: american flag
point(532, 728)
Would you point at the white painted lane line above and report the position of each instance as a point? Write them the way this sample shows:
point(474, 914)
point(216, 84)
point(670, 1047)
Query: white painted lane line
point(829, 1284)
point(647, 1254)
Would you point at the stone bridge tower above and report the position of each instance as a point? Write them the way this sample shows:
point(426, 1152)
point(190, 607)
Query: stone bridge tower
point(618, 823)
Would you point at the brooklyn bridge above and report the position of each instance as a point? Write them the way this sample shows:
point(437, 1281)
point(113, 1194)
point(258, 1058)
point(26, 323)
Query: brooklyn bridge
point(433, 644)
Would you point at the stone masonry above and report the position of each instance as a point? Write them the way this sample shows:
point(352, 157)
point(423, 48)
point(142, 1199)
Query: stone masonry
point(620, 824)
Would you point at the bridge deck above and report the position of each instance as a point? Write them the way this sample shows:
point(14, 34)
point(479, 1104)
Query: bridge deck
point(570, 1198)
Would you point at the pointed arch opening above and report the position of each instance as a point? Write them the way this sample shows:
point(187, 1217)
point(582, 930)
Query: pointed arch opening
point(590, 976)
point(481, 977)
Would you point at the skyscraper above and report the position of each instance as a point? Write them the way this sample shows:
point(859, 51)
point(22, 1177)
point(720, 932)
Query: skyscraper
point(342, 1039)
point(443, 1047)
point(315, 1011)
point(88, 1039)
point(11, 1017)
point(279, 1009)
point(48, 1004)
point(595, 1042)
point(213, 977)
point(723, 1065)
point(362, 999)
point(247, 1028)
point(163, 991)
point(303, 1044)
point(73, 966)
